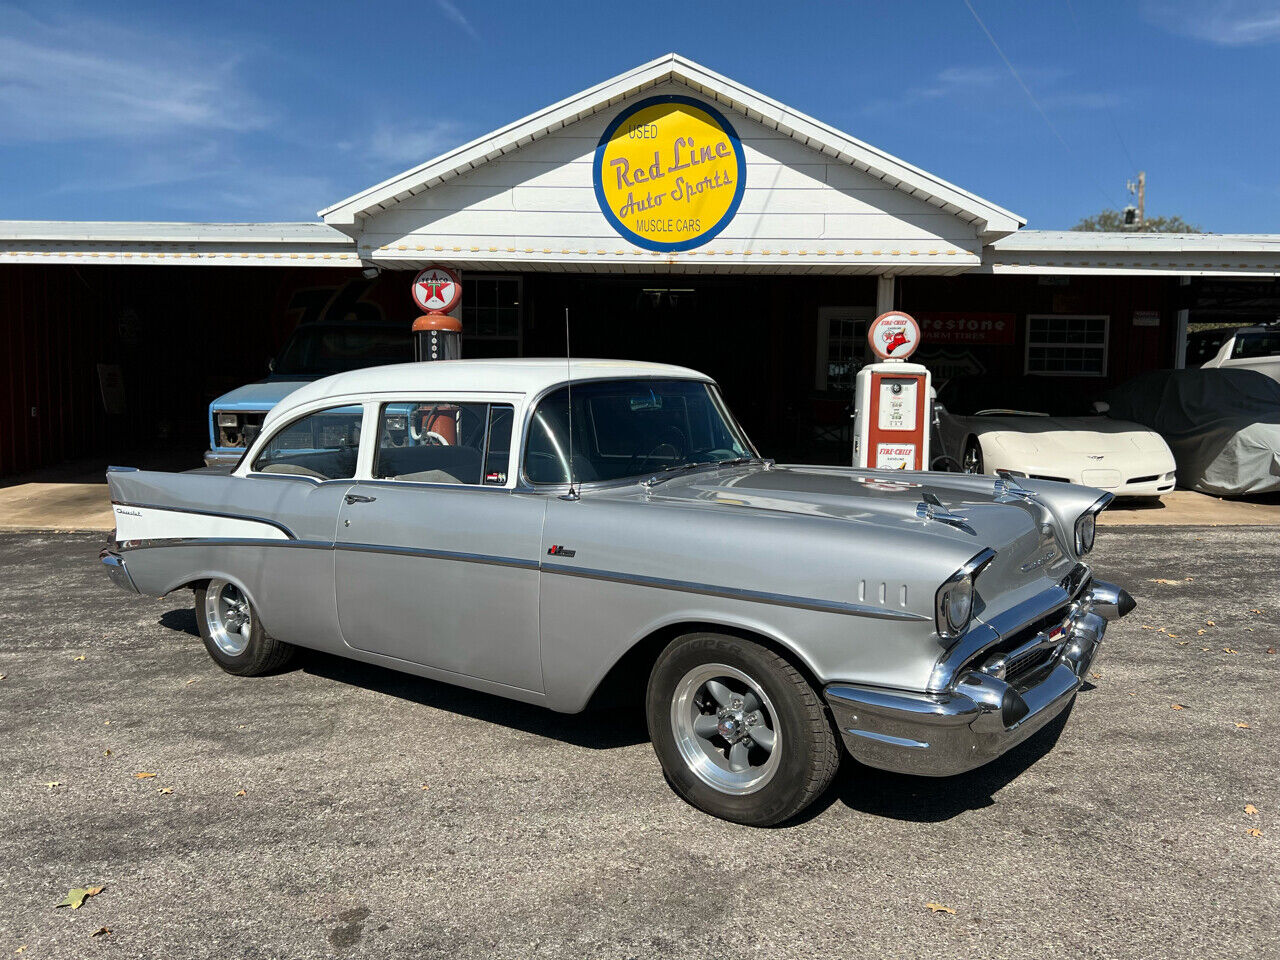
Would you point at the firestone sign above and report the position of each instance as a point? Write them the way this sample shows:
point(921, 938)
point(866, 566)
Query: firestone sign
point(669, 173)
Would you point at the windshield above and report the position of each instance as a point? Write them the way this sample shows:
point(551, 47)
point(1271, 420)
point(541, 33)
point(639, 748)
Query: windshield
point(631, 428)
point(1016, 396)
point(322, 350)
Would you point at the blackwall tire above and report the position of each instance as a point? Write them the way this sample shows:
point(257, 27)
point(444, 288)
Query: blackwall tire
point(233, 634)
point(713, 703)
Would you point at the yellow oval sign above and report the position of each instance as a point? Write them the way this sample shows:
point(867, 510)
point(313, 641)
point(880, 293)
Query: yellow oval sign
point(669, 173)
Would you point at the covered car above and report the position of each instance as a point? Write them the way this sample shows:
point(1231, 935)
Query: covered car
point(1046, 429)
point(1223, 425)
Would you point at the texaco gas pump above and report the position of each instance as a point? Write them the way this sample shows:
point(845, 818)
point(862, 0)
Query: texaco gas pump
point(891, 399)
point(436, 336)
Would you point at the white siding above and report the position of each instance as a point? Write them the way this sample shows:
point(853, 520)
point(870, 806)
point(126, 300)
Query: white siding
point(539, 199)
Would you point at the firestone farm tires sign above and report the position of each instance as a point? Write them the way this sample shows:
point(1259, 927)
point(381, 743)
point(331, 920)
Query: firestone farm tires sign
point(669, 173)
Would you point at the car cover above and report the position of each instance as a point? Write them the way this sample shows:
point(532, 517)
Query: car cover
point(1222, 425)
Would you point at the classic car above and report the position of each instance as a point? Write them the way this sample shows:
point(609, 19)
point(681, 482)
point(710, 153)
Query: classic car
point(314, 350)
point(1034, 427)
point(1247, 348)
point(568, 534)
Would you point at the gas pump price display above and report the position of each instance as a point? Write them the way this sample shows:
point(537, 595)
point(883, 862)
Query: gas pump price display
point(897, 404)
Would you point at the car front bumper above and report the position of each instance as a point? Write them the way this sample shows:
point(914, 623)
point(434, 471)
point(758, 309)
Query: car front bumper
point(981, 714)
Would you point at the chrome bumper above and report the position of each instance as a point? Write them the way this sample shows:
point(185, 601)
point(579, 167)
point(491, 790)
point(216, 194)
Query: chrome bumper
point(980, 715)
point(117, 570)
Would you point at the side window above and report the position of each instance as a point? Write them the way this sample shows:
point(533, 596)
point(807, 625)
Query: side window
point(323, 445)
point(431, 441)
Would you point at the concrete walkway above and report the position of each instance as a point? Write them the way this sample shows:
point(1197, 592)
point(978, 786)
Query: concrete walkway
point(83, 506)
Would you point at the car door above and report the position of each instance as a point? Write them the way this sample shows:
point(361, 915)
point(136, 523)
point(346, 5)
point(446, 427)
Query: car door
point(436, 555)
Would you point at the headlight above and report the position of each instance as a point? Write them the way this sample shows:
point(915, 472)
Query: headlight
point(953, 603)
point(227, 420)
point(1087, 525)
point(1086, 529)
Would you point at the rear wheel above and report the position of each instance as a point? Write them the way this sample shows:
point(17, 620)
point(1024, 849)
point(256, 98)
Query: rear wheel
point(973, 456)
point(739, 731)
point(232, 632)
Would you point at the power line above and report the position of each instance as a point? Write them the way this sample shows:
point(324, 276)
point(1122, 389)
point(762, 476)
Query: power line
point(1111, 114)
point(1031, 96)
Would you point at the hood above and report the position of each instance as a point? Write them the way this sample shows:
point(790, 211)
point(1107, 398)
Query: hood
point(1082, 435)
point(1027, 534)
point(262, 395)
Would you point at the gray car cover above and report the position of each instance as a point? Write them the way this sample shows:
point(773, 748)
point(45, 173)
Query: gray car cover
point(1222, 425)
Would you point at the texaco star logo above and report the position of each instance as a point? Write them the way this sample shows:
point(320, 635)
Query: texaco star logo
point(436, 290)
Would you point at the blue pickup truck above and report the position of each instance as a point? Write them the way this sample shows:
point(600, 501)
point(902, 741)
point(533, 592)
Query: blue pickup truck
point(314, 350)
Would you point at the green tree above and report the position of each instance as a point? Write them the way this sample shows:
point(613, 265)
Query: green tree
point(1112, 221)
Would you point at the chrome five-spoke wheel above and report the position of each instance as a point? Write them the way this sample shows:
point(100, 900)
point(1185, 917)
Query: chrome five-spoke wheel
point(726, 728)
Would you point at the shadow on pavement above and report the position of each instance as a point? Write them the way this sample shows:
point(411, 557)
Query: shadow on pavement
point(603, 729)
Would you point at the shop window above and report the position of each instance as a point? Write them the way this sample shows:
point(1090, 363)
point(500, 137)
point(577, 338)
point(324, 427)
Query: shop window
point(1067, 346)
point(491, 315)
point(842, 346)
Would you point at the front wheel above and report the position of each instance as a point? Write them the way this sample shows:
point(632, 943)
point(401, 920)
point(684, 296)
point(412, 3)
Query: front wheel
point(738, 730)
point(233, 634)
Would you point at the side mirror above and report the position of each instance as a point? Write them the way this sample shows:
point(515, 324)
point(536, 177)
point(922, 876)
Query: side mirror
point(1101, 406)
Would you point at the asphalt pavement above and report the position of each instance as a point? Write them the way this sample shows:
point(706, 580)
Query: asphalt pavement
point(342, 810)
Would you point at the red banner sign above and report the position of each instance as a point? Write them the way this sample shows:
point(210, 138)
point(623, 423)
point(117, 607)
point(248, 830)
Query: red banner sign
point(968, 328)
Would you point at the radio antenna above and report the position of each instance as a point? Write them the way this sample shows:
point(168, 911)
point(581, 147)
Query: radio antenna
point(572, 493)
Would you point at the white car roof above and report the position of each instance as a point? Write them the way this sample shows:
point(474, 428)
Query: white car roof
point(525, 376)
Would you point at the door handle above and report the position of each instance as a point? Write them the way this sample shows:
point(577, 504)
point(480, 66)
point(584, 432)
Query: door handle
point(358, 498)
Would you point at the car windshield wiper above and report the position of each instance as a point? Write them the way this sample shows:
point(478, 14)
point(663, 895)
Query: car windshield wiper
point(668, 472)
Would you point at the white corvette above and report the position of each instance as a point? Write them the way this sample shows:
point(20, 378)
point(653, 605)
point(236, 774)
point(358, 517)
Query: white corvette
point(1032, 427)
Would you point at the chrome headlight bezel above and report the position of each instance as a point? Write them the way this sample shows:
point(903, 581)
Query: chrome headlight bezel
point(1086, 526)
point(952, 617)
point(224, 418)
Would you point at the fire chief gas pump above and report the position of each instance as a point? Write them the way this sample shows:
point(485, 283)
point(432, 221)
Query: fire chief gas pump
point(891, 399)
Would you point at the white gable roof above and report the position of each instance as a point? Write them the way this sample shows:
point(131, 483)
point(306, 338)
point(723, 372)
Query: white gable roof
point(990, 221)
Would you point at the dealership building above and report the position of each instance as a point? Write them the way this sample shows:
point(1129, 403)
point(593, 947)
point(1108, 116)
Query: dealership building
point(678, 216)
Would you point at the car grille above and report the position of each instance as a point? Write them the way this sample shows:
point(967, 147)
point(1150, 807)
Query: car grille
point(1154, 476)
point(248, 423)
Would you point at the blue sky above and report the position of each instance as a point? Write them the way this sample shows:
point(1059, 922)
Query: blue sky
point(265, 111)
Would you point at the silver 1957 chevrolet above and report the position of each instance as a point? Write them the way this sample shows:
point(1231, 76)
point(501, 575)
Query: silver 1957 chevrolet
point(547, 533)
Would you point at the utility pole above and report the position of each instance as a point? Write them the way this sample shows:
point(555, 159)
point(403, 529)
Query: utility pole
point(1141, 188)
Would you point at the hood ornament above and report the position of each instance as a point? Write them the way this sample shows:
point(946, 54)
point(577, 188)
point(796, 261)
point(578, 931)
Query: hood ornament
point(1006, 488)
point(931, 508)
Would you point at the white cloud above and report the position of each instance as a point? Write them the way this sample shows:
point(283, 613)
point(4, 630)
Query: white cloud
point(456, 15)
point(405, 145)
point(1229, 23)
point(71, 79)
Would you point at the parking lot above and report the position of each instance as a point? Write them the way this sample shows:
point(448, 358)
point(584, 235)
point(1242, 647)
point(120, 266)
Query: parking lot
point(338, 809)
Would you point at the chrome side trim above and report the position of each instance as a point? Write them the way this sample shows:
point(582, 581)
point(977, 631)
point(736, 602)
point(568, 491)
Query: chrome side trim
point(111, 469)
point(734, 593)
point(484, 558)
point(209, 513)
point(125, 546)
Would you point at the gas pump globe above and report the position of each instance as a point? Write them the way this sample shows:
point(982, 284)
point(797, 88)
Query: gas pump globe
point(436, 335)
point(891, 399)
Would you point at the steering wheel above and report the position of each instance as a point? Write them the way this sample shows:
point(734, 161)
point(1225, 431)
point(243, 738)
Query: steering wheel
point(678, 447)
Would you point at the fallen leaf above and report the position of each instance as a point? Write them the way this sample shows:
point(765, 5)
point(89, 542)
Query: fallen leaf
point(1250, 629)
point(81, 657)
point(76, 898)
point(1206, 649)
point(101, 932)
point(1187, 579)
point(1210, 623)
point(1254, 832)
point(1162, 630)
point(143, 775)
point(1172, 636)
point(1147, 626)
point(106, 723)
point(1271, 649)
point(240, 793)
point(1178, 706)
point(106, 753)
point(1132, 694)
point(53, 783)
point(1200, 633)
point(1250, 809)
point(1255, 611)
point(1229, 650)
point(1183, 643)
point(193, 680)
point(3, 677)
point(1096, 676)
point(165, 790)
point(21, 949)
point(1170, 583)
point(1242, 726)
point(939, 908)
point(426, 786)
